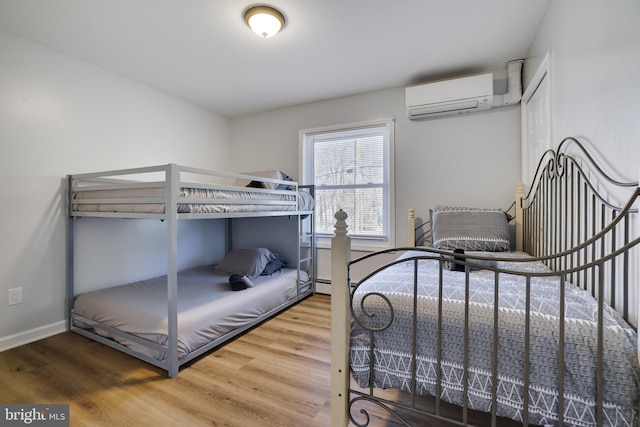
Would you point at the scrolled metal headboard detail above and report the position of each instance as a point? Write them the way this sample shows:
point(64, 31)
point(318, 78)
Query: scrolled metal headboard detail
point(554, 163)
point(570, 219)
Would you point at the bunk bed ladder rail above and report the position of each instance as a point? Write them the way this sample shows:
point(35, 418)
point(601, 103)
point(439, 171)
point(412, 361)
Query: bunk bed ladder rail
point(306, 238)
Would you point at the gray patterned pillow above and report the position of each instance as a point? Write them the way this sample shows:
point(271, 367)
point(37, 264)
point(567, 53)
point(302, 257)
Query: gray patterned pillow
point(470, 229)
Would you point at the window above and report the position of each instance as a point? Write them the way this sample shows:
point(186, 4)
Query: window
point(351, 168)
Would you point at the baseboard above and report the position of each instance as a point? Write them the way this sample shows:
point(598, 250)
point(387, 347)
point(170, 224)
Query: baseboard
point(32, 335)
point(323, 287)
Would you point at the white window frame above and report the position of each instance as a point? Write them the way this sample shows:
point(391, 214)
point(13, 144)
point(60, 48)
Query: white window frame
point(389, 225)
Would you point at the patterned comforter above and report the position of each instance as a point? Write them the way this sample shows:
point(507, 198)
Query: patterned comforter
point(393, 344)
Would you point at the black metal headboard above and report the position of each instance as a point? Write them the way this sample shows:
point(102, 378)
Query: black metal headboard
point(570, 219)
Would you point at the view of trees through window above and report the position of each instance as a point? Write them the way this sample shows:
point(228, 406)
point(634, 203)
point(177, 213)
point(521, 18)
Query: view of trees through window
point(349, 175)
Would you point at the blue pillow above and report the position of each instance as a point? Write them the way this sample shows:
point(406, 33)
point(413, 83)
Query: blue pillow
point(273, 266)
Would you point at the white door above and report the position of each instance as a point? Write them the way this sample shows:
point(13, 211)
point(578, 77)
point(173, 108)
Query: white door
point(536, 121)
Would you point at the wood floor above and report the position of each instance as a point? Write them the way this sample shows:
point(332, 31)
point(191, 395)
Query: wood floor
point(275, 375)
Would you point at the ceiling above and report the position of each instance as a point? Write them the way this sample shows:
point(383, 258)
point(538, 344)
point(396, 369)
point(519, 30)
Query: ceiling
point(202, 51)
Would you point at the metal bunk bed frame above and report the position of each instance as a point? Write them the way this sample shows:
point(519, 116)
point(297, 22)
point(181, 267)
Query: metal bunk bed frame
point(172, 183)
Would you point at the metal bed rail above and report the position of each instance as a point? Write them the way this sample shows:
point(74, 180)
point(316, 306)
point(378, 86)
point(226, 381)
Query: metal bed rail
point(157, 177)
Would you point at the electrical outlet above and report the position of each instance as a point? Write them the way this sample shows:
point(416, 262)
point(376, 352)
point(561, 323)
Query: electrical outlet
point(15, 296)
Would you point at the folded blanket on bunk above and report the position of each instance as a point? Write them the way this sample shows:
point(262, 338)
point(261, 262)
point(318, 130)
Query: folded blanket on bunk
point(239, 283)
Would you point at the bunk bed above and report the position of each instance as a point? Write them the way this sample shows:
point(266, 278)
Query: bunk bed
point(544, 334)
point(170, 320)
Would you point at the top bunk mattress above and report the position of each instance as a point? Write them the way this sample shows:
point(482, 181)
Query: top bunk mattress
point(207, 307)
point(191, 200)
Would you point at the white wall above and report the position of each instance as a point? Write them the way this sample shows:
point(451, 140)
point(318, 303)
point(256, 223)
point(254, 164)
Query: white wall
point(595, 67)
point(60, 116)
point(469, 160)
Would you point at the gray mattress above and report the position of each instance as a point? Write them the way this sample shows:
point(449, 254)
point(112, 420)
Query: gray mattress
point(229, 201)
point(393, 345)
point(207, 307)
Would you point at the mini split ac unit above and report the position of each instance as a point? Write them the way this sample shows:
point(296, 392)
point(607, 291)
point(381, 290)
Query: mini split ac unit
point(447, 97)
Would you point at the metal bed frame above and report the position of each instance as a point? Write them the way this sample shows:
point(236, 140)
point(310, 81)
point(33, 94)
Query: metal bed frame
point(172, 178)
point(569, 221)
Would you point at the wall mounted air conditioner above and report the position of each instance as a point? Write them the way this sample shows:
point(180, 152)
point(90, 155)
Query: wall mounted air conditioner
point(447, 97)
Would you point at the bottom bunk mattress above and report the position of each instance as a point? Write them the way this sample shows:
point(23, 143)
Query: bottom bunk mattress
point(393, 348)
point(207, 307)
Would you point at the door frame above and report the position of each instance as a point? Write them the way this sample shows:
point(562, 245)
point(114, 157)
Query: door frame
point(543, 71)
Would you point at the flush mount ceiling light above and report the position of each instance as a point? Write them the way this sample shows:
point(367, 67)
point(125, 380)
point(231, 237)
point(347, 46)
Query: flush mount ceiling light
point(265, 21)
